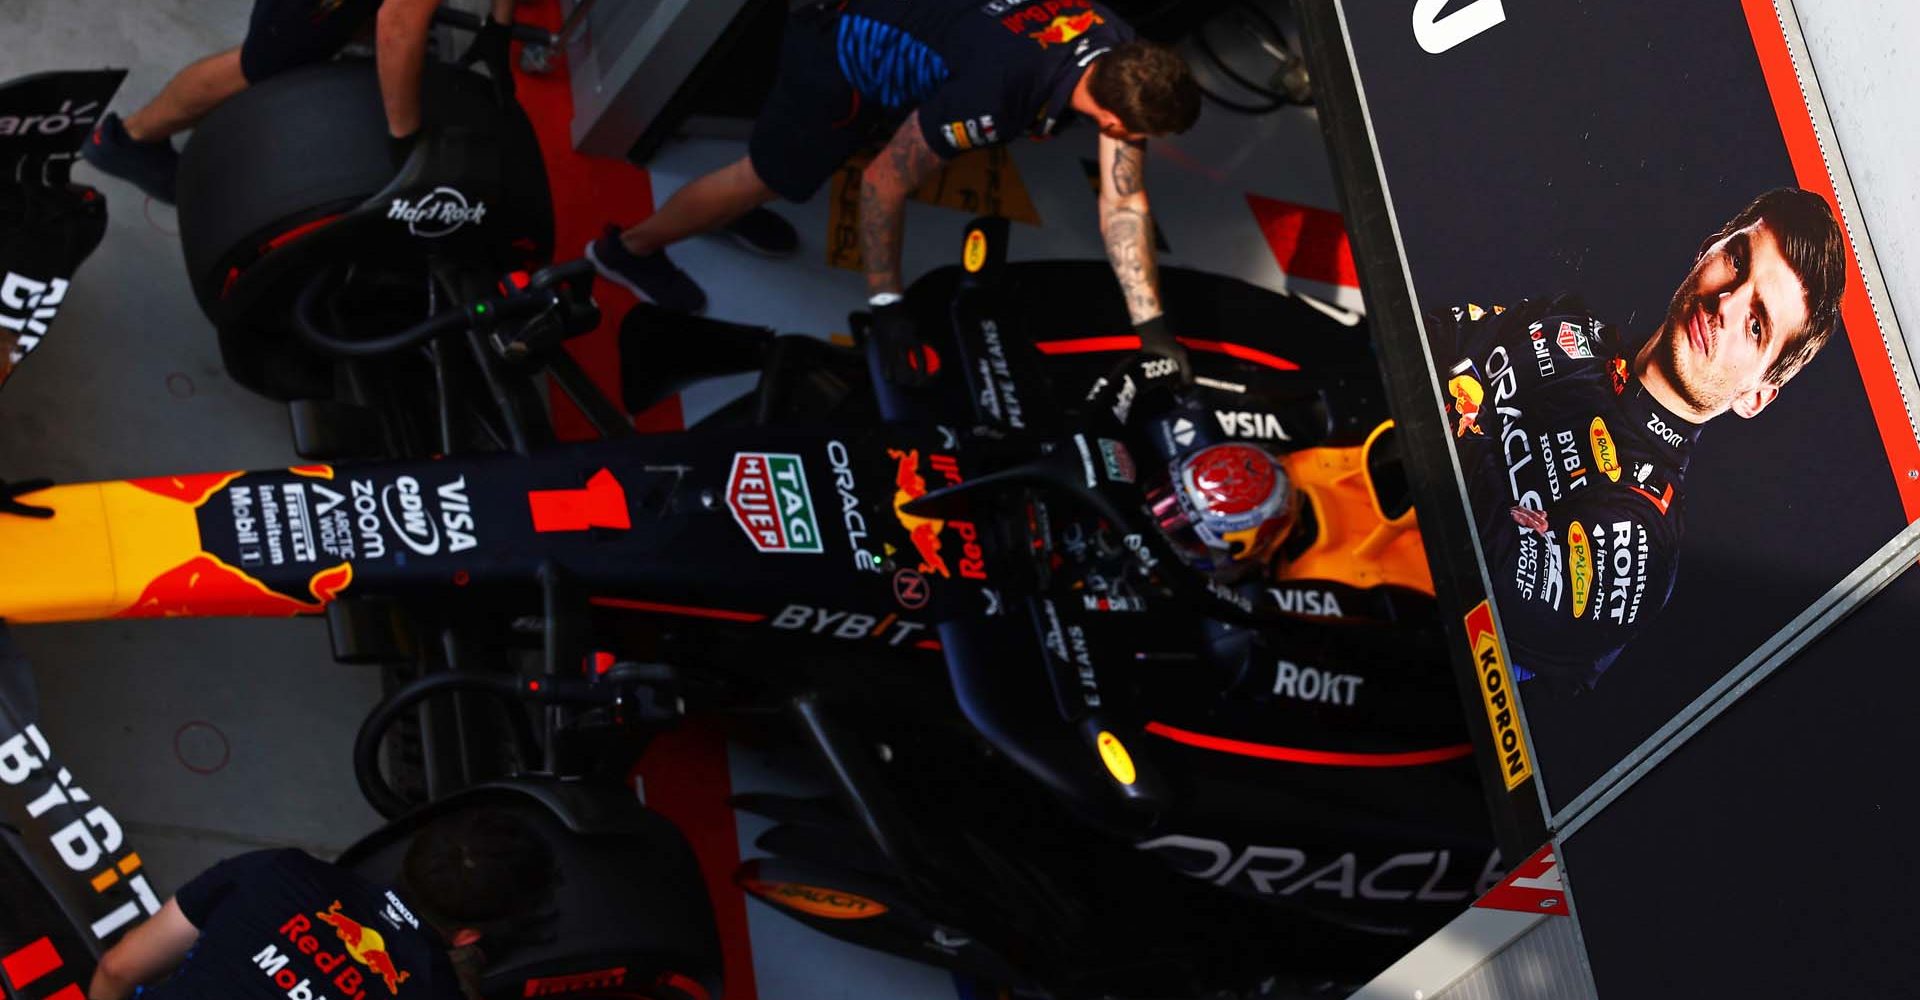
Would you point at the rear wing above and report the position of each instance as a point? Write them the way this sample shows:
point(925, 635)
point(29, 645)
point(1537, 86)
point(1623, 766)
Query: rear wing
point(48, 226)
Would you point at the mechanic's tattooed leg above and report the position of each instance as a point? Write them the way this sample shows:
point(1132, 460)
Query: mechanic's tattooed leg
point(188, 97)
point(702, 205)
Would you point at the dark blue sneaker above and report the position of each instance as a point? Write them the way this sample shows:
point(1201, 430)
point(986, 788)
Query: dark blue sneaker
point(762, 232)
point(149, 166)
point(652, 277)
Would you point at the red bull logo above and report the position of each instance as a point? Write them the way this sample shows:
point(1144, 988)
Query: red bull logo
point(204, 586)
point(1062, 30)
point(192, 490)
point(925, 532)
point(365, 946)
point(922, 532)
point(1467, 394)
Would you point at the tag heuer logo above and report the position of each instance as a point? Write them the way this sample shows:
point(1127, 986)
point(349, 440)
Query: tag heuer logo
point(768, 496)
point(1573, 341)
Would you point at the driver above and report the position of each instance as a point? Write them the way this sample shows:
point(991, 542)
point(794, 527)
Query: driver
point(267, 924)
point(284, 35)
point(1226, 507)
point(1574, 440)
point(937, 78)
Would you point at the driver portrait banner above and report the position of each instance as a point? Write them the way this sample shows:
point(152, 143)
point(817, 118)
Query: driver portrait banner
point(1623, 258)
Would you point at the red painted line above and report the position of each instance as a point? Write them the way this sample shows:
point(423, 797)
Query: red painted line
point(1297, 755)
point(28, 964)
point(1087, 345)
point(298, 231)
point(1863, 331)
point(1129, 342)
point(688, 610)
point(1241, 352)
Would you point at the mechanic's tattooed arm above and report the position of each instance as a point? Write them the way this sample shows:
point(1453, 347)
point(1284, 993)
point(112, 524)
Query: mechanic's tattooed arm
point(884, 187)
point(1126, 223)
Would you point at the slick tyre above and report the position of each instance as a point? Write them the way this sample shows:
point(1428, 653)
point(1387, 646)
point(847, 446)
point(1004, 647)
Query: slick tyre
point(276, 184)
point(280, 155)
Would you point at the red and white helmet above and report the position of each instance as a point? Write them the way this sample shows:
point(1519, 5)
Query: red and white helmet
point(1225, 506)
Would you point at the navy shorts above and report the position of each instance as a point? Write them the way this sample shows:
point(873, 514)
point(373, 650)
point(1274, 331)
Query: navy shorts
point(288, 34)
point(813, 121)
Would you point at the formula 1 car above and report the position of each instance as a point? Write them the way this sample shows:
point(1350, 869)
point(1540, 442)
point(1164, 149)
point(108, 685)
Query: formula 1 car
point(1135, 692)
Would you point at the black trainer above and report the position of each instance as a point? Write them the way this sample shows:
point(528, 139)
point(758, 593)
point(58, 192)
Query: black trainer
point(149, 166)
point(763, 232)
point(652, 277)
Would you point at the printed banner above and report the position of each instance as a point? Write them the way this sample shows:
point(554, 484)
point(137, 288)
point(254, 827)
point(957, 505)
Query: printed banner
point(1661, 374)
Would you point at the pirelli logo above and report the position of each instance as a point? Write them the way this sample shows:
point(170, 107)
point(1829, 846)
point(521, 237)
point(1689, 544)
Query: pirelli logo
point(1496, 691)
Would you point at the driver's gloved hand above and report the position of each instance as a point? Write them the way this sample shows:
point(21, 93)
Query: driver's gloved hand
point(11, 492)
point(493, 45)
point(1156, 337)
point(1145, 384)
point(905, 359)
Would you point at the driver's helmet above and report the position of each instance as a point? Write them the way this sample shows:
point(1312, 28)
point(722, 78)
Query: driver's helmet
point(1225, 507)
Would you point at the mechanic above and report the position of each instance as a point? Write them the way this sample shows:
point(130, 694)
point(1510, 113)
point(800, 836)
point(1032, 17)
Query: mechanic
point(1575, 442)
point(939, 77)
point(261, 923)
point(284, 35)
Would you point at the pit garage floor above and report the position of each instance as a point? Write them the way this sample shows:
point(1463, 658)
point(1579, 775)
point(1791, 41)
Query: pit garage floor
point(209, 738)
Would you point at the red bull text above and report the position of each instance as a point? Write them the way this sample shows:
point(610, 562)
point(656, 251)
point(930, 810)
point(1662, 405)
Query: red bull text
point(362, 956)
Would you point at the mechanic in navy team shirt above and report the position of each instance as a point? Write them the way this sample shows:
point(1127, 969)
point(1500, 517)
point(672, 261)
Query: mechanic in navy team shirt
point(940, 77)
point(284, 35)
point(264, 924)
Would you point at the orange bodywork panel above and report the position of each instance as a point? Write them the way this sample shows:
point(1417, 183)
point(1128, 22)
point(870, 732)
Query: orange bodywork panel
point(1356, 545)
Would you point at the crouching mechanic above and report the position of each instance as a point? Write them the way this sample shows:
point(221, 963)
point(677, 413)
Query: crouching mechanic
point(264, 924)
point(939, 77)
point(284, 35)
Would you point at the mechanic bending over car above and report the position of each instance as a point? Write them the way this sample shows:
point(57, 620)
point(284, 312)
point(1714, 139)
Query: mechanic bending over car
point(260, 924)
point(285, 35)
point(939, 77)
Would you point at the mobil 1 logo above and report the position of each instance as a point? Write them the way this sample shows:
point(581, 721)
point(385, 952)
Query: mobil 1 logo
point(304, 520)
